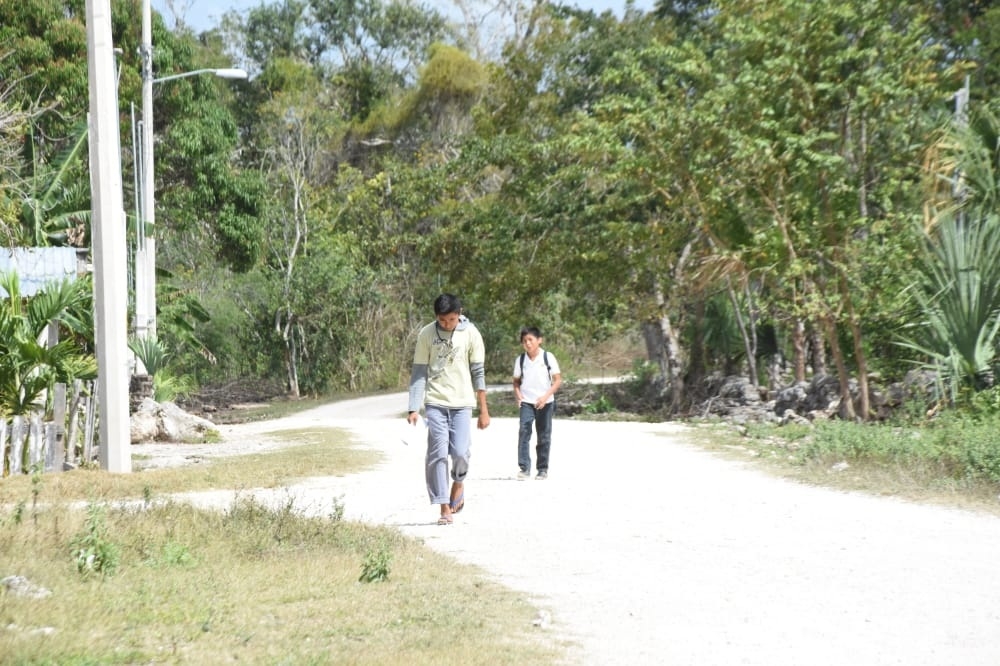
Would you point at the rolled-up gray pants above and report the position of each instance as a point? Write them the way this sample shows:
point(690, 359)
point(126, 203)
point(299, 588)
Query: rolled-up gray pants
point(449, 432)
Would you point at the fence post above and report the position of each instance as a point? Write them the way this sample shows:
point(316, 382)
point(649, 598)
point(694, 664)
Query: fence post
point(36, 443)
point(52, 462)
point(18, 430)
point(4, 449)
point(90, 419)
point(58, 443)
point(73, 427)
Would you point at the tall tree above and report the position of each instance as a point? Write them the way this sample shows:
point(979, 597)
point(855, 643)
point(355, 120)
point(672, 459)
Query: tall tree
point(807, 111)
point(296, 128)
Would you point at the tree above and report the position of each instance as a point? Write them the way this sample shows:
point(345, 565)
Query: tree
point(807, 114)
point(296, 130)
point(29, 369)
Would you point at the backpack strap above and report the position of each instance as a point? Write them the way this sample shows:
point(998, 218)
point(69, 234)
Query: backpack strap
point(545, 357)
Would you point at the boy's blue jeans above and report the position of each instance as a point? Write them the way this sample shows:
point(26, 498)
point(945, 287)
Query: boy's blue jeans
point(542, 420)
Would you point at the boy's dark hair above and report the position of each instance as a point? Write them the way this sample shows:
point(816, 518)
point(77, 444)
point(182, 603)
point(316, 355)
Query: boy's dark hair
point(530, 330)
point(446, 304)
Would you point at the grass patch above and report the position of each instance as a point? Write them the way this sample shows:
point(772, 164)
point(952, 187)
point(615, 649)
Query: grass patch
point(953, 460)
point(153, 581)
point(316, 452)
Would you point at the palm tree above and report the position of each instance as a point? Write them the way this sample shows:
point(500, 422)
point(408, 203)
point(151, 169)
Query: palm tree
point(29, 369)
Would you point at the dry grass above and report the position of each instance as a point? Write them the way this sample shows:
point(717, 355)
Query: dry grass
point(252, 584)
point(318, 452)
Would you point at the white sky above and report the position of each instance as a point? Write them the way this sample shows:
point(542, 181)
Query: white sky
point(204, 14)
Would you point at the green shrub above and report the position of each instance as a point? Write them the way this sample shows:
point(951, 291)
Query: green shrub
point(375, 567)
point(93, 552)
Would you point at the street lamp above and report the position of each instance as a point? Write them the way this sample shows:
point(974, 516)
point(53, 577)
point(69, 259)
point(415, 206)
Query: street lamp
point(145, 252)
point(223, 73)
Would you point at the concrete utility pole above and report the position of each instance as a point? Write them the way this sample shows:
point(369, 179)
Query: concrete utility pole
point(145, 253)
point(145, 242)
point(109, 247)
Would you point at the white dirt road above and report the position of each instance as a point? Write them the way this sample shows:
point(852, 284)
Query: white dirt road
point(648, 550)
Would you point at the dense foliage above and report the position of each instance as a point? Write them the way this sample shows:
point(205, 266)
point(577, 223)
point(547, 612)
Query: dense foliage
point(751, 186)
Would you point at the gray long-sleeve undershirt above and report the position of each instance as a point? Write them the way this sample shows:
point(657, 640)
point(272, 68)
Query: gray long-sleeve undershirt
point(418, 382)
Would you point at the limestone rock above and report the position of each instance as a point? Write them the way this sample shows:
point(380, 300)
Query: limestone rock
point(166, 422)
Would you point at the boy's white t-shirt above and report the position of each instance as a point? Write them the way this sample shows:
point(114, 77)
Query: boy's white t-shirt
point(535, 381)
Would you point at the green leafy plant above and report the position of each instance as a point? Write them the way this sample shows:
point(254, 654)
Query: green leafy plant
point(151, 353)
point(959, 294)
point(56, 200)
point(29, 369)
point(93, 553)
point(176, 554)
point(154, 356)
point(600, 406)
point(375, 567)
point(168, 387)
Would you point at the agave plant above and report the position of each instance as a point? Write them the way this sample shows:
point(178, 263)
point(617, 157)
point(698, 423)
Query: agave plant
point(958, 288)
point(959, 296)
point(154, 356)
point(151, 352)
point(29, 369)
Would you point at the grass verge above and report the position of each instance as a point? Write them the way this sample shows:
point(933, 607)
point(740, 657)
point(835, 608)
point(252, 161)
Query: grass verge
point(951, 461)
point(153, 581)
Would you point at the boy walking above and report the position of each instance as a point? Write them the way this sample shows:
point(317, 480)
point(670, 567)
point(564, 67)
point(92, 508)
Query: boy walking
point(536, 380)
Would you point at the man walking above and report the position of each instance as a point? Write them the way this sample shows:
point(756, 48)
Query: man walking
point(448, 378)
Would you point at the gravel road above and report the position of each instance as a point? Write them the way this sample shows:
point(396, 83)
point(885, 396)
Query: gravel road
point(645, 549)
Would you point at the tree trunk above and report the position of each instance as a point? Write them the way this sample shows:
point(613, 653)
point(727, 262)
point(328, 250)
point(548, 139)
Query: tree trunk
point(749, 336)
point(799, 349)
point(671, 355)
point(843, 377)
point(696, 363)
point(286, 329)
point(859, 353)
point(672, 352)
point(652, 335)
point(775, 362)
point(817, 350)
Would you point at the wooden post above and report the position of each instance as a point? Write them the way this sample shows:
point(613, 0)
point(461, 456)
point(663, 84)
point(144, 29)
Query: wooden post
point(57, 453)
point(4, 448)
point(36, 443)
point(18, 431)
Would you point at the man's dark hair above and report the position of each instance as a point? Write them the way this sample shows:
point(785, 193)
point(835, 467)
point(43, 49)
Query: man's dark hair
point(446, 304)
point(531, 330)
